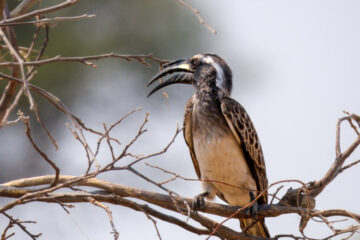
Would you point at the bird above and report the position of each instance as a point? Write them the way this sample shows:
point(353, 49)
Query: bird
point(222, 140)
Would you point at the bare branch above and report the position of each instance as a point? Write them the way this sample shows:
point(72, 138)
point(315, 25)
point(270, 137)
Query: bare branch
point(86, 60)
point(11, 87)
point(21, 226)
point(109, 213)
point(38, 12)
point(334, 170)
point(49, 20)
point(15, 189)
point(160, 152)
point(197, 13)
point(150, 218)
point(349, 166)
point(53, 100)
point(36, 147)
point(23, 7)
point(4, 235)
point(20, 62)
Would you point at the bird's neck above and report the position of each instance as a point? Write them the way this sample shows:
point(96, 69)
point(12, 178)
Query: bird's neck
point(207, 118)
point(207, 105)
point(207, 92)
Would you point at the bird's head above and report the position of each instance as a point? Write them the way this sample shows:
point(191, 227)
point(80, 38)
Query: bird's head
point(202, 70)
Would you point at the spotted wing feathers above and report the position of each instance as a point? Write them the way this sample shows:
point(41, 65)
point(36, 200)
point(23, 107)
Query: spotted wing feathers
point(245, 133)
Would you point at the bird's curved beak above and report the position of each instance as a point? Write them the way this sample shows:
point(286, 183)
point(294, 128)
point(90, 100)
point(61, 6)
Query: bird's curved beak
point(183, 74)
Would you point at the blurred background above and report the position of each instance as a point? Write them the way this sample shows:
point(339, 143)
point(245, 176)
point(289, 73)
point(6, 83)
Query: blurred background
point(295, 69)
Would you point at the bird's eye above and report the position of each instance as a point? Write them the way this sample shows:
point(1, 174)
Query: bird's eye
point(195, 62)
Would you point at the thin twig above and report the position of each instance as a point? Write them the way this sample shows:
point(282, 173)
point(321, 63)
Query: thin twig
point(276, 192)
point(11, 87)
point(49, 20)
point(197, 13)
point(86, 59)
point(22, 227)
point(4, 235)
point(23, 7)
point(42, 154)
point(20, 62)
point(38, 12)
point(349, 166)
point(151, 219)
point(109, 213)
point(32, 44)
point(53, 100)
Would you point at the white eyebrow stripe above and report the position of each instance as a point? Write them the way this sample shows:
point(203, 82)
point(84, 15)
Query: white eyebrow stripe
point(219, 71)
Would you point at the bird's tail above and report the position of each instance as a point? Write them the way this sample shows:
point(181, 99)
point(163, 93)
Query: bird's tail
point(258, 229)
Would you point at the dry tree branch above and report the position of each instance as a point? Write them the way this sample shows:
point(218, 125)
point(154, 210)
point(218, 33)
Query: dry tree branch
point(113, 199)
point(4, 105)
point(109, 213)
point(32, 44)
point(21, 226)
point(20, 62)
point(143, 207)
point(38, 12)
point(36, 147)
point(150, 218)
point(173, 203)
point(109, 142)
point(165, 217)
point(4, 235)
point(317, 187)
point(11, 87)
point(197, 13)
point(11, 108)
point(21, 48)
point(86, 59)
point(16, 189)
point(65, 197)
point(349, 166)
point(23, 7)
point(49, 20)
point(53, 99)
point(138, 159)
point(106, 135)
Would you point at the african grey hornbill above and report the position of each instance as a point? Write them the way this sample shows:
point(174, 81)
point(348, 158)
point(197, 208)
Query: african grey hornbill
point(222, 140)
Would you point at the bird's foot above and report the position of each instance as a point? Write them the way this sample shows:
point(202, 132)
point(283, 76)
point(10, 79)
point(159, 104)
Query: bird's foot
point(198, 202)
point(253, 208)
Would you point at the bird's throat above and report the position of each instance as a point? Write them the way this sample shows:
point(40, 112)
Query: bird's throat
point(207, 119)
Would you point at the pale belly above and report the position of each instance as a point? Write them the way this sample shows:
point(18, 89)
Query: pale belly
point(224, 169)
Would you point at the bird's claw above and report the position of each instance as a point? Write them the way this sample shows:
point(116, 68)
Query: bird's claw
point(198, 202)
point(254, 209)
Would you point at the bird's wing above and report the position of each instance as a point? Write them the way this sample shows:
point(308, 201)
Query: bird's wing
point(188, 135)
point(245, 134)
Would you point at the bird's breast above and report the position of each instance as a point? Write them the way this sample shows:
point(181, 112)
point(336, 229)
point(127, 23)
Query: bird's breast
point(220, 157)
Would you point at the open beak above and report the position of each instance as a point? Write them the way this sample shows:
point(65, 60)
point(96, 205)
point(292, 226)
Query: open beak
point(183, 75)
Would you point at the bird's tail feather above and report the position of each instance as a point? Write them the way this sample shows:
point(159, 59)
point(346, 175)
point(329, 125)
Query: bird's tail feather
point(257, 229)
